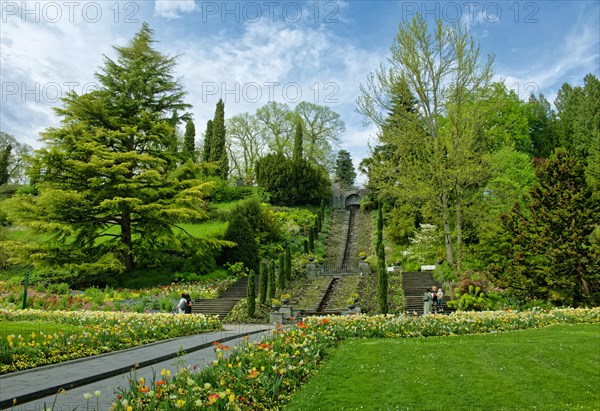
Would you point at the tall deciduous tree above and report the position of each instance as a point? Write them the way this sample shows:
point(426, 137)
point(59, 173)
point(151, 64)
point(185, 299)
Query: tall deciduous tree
point(106, 197)
point(277, 123)
point(322, 130)
point(344, 169)
point(245, 145)
point(5, 164)
point(16, 161)
point(440, 147)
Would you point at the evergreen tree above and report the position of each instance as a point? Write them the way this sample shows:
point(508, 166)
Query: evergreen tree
point(290, 183)
point(305, 245)
point(206, 156)
point(297, 154)
point(311, 239)
point(189, 142)
point(251, 294)
point(246, 249)
point(106, 197)
point(382, 289)
point(541, 126)
point(344, 169)
point(552, 253)
point(316, 228)
point(272, 289)
point(5, 164)
point(379, 227)
point(218, 151)
point(281, 273)
point(288, 264)
point(264, 282)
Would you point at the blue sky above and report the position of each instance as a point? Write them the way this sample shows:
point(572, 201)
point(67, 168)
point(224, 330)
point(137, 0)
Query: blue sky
point(287, 51)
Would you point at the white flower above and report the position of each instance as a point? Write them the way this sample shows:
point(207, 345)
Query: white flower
point(97, 393)
point(87, 396)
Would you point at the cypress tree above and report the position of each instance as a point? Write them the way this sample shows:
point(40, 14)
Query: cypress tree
point(311, 239)
point(251, 294)
point(264, 282)
point(218, 152)
point(281, 276)
point(207, 141)
point(382, 289)
point(288, 264)
point(305, 244)
point(272, 282)
point(189, 142)
point(297, 153)
point(379, 227)
point(316, 228)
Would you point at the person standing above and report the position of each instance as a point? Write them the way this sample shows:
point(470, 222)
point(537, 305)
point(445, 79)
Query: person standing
point(427, 301)
point(440, 296)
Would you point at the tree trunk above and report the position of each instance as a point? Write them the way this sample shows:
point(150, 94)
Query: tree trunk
point(447, 232)
point(127, 253)
point(458, 232)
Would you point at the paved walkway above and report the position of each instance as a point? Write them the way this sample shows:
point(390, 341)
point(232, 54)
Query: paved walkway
point(37, 389)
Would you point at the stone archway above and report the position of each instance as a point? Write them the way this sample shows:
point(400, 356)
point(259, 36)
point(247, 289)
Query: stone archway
point(352, 200)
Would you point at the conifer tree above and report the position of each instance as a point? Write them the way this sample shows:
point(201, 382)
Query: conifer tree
point(311, 239)
point(218, 151)
point(272, 282)
point(288, 264)
point(297, 153)
point(344, 169)
point(106, 200)
point(382, 289)
point(251, 294)
point(189, 142)
point(281, 273)
point(206, 156)
point(264, 282)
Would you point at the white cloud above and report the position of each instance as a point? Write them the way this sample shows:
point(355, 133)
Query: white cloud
point(569, 61)
point(171, 9)
point(46, 52)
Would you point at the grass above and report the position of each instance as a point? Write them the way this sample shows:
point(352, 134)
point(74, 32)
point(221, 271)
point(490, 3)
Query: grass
point(206, 229)
point(28, 327)
point(552, 368)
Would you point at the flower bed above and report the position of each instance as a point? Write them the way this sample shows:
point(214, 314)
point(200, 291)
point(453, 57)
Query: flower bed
point(102, 332)
point(60, 297)
point(261, 376)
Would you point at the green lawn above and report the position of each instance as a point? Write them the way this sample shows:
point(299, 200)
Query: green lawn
point(553, 368)
point(27, 327)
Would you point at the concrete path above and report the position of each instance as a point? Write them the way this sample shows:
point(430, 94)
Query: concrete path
point(37, 389)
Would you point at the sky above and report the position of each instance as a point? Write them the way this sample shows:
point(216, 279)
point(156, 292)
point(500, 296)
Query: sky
point(253, 52)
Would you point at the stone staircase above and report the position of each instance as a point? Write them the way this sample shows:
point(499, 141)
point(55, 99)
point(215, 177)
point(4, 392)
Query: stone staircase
point(414, 285)
point(222, 305)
